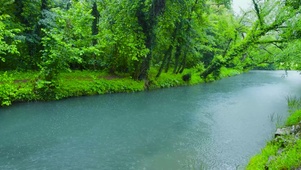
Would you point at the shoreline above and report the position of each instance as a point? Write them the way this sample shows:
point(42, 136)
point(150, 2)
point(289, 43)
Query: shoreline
point(89, 83)
point(283, 151)
point(17, 87)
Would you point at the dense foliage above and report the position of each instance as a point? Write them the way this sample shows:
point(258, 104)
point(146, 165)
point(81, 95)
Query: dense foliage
point(135, 37)
point(128, 46)
point(123, 36)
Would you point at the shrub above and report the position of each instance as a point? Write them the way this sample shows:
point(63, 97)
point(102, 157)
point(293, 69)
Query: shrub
point(7, 89)
point(186, 77)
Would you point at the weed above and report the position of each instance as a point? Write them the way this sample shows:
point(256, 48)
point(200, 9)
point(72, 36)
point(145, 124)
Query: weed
point(284, 151)
point(275, 118)
point(294, 103)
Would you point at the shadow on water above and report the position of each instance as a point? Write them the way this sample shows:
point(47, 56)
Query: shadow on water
point(219, 125)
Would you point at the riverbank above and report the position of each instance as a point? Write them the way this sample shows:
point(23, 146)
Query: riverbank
point(21, 86)
point(284, 151)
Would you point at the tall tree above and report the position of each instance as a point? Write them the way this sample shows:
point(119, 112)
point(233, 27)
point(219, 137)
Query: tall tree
point(96, 15)
point(268, 20)
point(68, 39)
point(7, 42)
point(148, 20)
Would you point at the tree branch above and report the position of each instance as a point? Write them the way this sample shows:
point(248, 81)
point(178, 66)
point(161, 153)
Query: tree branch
point(271, 41)
point(257, 12)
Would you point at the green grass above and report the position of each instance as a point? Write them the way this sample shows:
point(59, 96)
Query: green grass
point(91, 86)
point(294, 103)
point(259, 161)
point(283, 152)
point(288, 159)
point(294, 118)
point(24, 86)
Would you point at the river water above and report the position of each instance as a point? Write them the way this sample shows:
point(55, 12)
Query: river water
point(218, 125)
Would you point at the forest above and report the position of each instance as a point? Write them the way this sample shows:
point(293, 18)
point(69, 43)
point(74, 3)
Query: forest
point(54, 49)
point(43, 43)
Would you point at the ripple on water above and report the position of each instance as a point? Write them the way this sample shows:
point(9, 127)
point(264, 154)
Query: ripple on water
point(218, 125)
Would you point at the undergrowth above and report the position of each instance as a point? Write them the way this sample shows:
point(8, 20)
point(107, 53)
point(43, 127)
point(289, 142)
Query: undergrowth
point(25, 86)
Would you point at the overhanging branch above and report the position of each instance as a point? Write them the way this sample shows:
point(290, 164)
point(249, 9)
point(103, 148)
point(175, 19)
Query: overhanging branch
point(271, 41)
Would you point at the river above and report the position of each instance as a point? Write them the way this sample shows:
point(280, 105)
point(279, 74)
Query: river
point(218, 125)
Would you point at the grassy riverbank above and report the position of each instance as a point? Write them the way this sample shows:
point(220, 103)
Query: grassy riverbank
point(22, 86)
point(284, 151)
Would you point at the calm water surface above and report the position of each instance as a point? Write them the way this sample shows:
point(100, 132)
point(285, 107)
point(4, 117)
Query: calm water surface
point(218, 125)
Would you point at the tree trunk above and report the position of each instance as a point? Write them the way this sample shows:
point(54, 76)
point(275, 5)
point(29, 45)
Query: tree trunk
point(168, 62)
point(164, 61)
point(177, 58)
point(148, 24)
point(96, 15)
point(183, 64)
point(167, 55)
point(253, 36)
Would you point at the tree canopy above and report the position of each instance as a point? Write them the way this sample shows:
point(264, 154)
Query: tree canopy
point(121, 36)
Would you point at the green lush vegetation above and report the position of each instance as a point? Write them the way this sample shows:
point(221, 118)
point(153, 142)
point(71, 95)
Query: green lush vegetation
point(283, 152)
point(143, 44)
point(53, 49)
point(20, 86)
point(119, 46)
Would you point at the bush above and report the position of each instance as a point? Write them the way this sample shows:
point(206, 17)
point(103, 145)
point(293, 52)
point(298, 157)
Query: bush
point(7, 89)
point(186, 77)
point(228, 72)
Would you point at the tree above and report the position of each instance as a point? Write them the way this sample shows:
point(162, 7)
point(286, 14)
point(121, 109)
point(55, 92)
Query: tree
point(179, 35)
point(8, 45)
point(268, 20)
point(68, 39)
point(122, 37)
point(147, 18)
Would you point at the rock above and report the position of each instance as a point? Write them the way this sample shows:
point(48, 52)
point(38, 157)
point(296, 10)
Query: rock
point(298, 135)
point(293, 129)
point(283, 131)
